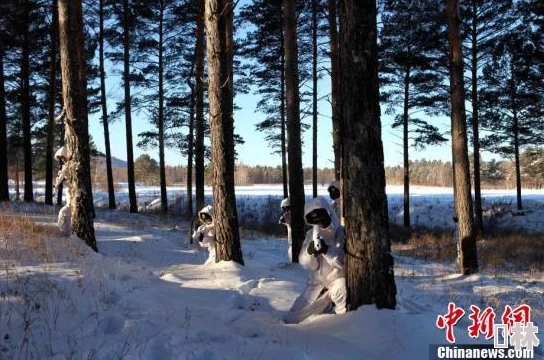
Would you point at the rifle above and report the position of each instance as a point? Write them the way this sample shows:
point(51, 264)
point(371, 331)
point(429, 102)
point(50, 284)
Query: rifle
point(316, 238)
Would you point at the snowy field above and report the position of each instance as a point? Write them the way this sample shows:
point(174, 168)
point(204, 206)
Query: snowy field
point(258, 205)
point(146, 294)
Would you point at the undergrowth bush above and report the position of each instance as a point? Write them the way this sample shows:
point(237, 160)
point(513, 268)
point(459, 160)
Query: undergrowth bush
point(22, 238)
point(428, 244)
point(507, 250)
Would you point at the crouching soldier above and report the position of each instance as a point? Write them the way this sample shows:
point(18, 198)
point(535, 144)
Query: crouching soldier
point(205, 234)
point(285, 219)
point(323, 254)
point(64, 220)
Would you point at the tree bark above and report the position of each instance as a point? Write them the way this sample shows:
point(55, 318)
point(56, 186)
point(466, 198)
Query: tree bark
point(190, 153)
point(369, 264)
point(17, 180)
point(74, 90)
point(314, 98)
point(4, 188)
point(133, 207)
point(296, 178)
point(51, 105)
point(25, 105)
point(478, 211)
point(517, 161)
point(335, 89)
point(199, 106)
point(405, 151)
point(103, 103)
point(162, 166)
point(218, 15)
point(285, 178)
point(468, 263)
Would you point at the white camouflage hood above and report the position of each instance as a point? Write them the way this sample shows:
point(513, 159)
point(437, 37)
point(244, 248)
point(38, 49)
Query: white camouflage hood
point(321, 203)
point(206, 210)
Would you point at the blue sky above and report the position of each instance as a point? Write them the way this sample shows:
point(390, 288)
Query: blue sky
point(255, 151)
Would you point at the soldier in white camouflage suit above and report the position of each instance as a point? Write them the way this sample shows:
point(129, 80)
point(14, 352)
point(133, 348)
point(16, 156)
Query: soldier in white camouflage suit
point(334, 193)
point(205, 234)
point(64, 220)
point(285, 219)
point(323, 254)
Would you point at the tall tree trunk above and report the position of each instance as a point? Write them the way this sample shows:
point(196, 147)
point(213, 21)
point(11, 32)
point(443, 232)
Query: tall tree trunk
point(190, 152)
point(199, 106)
point(284, 177)
point(60, 188)
point(478, 211)
point(4, 188)
point(314, 97)
point(219, 14)
point(294, 151)
point(128, 108)
point(51, 105)
point(517, 162)
point(369, 264)
point(17, 179)
point(25, 105)
point(103, 102)
point(74, 90)
point(335, 89)
point(468, 263)
point(162, 167)
point(405, 147)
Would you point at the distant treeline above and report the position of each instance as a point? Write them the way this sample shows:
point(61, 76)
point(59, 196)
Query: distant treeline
point(494, 174)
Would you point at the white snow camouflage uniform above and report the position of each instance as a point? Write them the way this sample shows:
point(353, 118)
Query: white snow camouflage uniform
point(285, 219)
point(336, 203)
point(205, 234)
point(326, 281)
point(64, 220)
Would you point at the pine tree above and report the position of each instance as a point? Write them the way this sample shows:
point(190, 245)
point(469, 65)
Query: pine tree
point(199, 105)
point(219, 32)
point(263, 47)
point(294, 151)
point(314, 96)
point(408, 70)
point(120, 37)
point(468, 261)
point(168, 68)
point(335, 86)
point(122, 44)
point(25, 73)
point(511, 106)
point(72, 51)
point(25, 100)
point(486, 22)
point(51, 104)
point(4, 189)
point(369, 264)
point(146, 169)
point(150, 57)
point(104, 106)
point(190, 149)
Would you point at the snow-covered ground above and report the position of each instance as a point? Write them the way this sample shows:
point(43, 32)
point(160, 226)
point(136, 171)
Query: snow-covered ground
point(146, 294)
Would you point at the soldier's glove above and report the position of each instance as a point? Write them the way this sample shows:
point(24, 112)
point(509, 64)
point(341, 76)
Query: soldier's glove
point(200, 237)
point(322, 248)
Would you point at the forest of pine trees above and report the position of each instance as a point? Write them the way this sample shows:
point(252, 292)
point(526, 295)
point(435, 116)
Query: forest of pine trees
point(177, 65)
